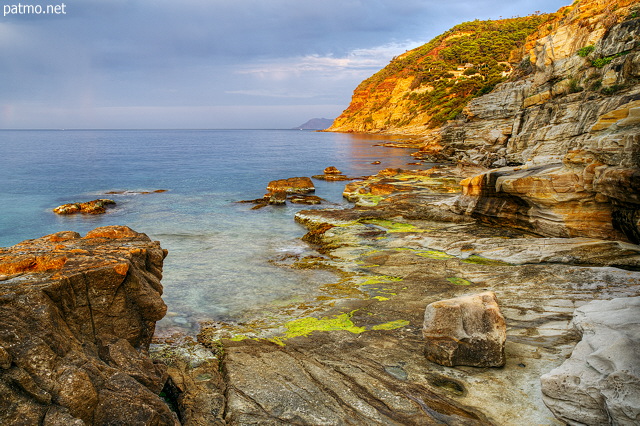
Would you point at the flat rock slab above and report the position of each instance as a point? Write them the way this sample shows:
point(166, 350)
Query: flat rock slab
point(332, 379)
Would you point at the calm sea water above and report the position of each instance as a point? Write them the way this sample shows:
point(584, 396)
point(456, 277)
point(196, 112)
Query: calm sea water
point(219, 250)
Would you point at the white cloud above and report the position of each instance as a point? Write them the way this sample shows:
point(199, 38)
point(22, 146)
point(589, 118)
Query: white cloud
point(358, 61)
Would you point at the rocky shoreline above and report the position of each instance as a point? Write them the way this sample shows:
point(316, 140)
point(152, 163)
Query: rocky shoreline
point(355, 355)
point(551, 230)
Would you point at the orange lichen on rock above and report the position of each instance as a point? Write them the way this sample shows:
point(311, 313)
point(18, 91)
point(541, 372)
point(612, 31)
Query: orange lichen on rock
point(112, 232)
point(90, 207)
point(122, 268)
point(291, 185)
point(10, 265)
point(78, 315)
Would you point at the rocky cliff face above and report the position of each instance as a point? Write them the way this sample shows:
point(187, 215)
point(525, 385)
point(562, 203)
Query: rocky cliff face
point(563, 134)
point(76, 319)
point(421, 89)
point(571, 124)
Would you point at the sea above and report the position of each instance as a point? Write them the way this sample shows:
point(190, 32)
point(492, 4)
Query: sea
point(220, 262)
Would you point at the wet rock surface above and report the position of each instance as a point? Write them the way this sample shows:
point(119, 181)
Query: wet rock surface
point(78, 314)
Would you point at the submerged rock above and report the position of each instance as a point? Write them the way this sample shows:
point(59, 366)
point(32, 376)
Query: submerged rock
point(305, 199)
point(600, 382)
point(129, 192)
point(467, 330)
point(90, 207)
point(76, 319)
point(276, 197)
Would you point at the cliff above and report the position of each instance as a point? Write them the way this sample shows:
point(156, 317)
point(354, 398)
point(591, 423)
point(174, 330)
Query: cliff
point(426, 86)
point(561, 133)
point(76, 321)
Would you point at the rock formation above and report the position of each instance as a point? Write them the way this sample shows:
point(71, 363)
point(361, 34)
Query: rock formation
point(300, 185)
point(90, 207)
point(331, 173)
point(571, 126)
point(467, 330)
point(77, 317)
point(562, 134)
point(295, 190)
point(403, 253)
point(600, 382)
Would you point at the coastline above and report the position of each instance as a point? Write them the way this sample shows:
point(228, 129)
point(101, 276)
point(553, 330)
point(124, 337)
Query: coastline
point(354, 349)
point(396, 253)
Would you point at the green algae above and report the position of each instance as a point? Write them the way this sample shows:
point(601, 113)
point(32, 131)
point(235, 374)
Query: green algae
point(392, 325)
point(431, 254)
point(380, 298)
point(459, 281)
point(306, 326)
point(392, 226)
point(479, 260)
point(379, 279)
point(369, 200)
point(434, 254)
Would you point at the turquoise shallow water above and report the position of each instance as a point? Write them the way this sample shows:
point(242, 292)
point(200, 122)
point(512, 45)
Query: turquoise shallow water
point(219, 250)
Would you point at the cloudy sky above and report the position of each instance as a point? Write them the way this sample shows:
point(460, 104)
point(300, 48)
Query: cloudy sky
point(210, 63)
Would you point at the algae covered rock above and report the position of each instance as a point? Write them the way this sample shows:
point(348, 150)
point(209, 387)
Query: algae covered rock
point(467, 330)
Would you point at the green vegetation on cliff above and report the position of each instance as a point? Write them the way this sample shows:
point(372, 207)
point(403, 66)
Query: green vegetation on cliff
point(465, 62)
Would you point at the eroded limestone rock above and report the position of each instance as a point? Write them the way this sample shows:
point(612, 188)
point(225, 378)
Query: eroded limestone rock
point(467, 330)
point(600, 382)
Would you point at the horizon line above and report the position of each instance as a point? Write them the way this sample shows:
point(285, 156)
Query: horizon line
point(151, 128)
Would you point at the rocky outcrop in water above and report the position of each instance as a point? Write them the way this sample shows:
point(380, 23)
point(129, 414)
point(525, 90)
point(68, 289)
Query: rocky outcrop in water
point(77, 316)
point(90, 207)
point(600, 382)
point(294, 185)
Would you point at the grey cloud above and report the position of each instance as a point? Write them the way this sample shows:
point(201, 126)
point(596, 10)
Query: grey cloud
point(196, 53)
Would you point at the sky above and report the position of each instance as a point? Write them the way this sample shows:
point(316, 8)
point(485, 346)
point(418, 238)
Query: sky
point(136, 64)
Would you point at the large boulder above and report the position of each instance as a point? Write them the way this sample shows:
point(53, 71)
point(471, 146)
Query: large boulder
point(76, 319)
point(600, 382)
point(466, 330)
